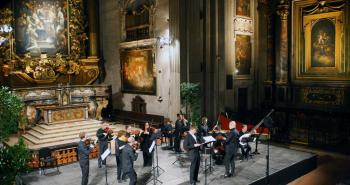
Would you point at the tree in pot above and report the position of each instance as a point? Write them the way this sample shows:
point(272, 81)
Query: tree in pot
point(13, 159)
point(10, 113)
point(191, 100)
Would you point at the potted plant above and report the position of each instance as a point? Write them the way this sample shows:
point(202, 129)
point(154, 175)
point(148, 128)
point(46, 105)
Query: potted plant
point(191, 100)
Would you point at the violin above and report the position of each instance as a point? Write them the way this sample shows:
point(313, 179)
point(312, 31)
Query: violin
point(89, 142)
point(108, 130)
point(135, 145)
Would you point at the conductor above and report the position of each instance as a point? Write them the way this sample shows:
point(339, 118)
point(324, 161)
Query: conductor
point(231, 146)
point(191, 143)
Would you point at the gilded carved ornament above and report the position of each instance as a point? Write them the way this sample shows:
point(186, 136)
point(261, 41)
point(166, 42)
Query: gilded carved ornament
point(46, 68)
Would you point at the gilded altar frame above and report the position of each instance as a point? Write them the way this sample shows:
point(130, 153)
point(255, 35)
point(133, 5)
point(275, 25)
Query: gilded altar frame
point(306, 14)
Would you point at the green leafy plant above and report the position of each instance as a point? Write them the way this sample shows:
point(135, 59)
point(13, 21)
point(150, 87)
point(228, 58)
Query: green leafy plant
point(13, 161)
point(191, 99)
point(10, 113)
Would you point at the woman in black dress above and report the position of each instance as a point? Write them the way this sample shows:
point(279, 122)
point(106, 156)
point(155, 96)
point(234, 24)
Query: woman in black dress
point(146, 139)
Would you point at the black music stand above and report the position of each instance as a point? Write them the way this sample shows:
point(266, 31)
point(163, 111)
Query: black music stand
point(268, 122)
point(156, 168)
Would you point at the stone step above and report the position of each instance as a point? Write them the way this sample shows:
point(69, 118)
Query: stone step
point(69, 125)
point(37, 141)
point(42, 130)
point(67, 132)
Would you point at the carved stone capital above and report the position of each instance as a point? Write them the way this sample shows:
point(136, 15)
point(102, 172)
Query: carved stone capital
point(283, 11)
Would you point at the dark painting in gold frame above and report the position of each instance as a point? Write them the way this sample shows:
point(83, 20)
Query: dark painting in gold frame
point(138, 71)
point(318, 40)
point(323, 42)
point(243, 8)
point(41, 26)
point(243, 53)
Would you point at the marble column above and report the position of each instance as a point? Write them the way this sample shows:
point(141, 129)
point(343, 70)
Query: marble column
point(92, 6)
point(174, 52)
point(282, 65)
point(266, 11)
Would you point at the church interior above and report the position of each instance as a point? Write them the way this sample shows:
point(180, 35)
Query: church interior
point(275, 71)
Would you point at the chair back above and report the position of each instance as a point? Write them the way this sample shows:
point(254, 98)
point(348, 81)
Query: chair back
point(45, 152)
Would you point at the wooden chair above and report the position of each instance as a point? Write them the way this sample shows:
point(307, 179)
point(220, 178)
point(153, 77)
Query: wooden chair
point(47, 160)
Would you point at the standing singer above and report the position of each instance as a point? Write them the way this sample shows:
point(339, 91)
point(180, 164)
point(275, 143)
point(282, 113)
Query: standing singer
point(192, 144)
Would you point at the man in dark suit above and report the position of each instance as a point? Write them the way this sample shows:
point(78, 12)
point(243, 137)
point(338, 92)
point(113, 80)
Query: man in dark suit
point(83, 153)
point(231, 146)
point(103, 138)
point(120, 143)
point(179, 127)
point(168, 133)
point(192, 144)
point(129, 155)
point(203, 129)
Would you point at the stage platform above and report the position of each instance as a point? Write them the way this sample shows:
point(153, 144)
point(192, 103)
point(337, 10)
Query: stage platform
point(285, 166)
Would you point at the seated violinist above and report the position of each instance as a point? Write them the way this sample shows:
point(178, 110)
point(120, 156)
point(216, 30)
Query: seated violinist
point(244, 143)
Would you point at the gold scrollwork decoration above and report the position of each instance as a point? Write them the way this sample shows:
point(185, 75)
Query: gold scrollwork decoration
point(46, 69)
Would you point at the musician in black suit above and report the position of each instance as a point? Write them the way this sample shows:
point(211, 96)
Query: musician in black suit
point(179, 128)
point(245, 148)
point(203, 129)
point(120, 143)
point(129, 155)
point(103, 138)
point(146, 139)
point(167, 131)
point(83, 153)
point(231, 146)
point(192, 144)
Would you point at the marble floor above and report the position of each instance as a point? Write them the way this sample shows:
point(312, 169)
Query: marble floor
point(177, 173)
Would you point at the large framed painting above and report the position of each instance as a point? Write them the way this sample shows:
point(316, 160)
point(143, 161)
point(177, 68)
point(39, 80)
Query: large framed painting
point(41, 26)
point(138, 74)
point(322, 42)
point(318, 41)
point(243, 8)
point(243, 54)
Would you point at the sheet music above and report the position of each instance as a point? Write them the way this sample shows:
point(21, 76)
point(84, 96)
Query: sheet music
point(152, 146)
point(105, 154)
point(208, 139)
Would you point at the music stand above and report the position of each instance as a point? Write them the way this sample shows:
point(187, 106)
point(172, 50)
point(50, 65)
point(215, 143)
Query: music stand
point(156, 168)
point(103, 157)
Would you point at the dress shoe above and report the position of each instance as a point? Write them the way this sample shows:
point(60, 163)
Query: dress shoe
point(197, 181)
point(227, 175)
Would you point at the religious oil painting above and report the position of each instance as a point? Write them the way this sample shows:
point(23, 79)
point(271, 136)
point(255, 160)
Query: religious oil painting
point(243, 54)
point(138, 71)
point(243, 8)
point(323, 44)
point(41, 26)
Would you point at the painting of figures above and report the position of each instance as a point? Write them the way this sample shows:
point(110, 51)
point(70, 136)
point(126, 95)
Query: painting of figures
point(243, 8)
point(41, 26)
point(323, 44)
point(137, 71)
point(243, 54)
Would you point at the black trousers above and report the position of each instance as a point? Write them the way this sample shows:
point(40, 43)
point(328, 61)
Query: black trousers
point(245, 150)
point(102, 147)
point(147, 158)
point(119, 167)
point(195, 161)
point(230, 162)
point(84, 165)
point(177, 143)
point(132, 176)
